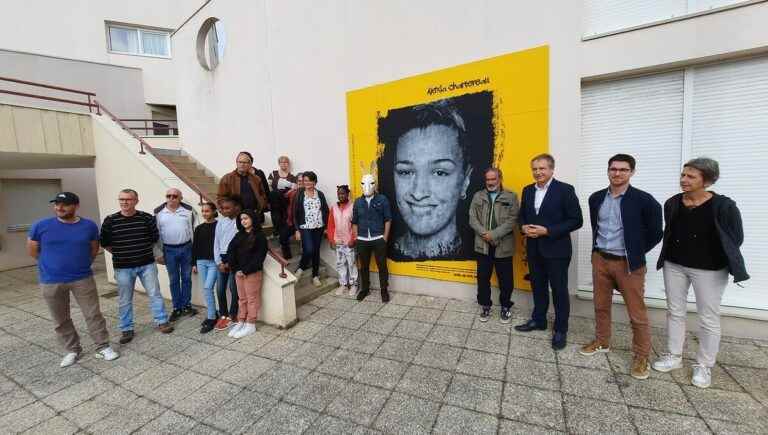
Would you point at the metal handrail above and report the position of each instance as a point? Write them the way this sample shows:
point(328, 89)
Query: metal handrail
point(89, 95)
point(282, 261)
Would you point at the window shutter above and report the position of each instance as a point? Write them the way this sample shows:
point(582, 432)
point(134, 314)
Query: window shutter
point(602, 16)
point(730, 124)
point(640, 116)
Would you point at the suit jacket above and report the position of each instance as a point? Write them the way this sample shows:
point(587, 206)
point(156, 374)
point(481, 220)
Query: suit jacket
point(560, 213)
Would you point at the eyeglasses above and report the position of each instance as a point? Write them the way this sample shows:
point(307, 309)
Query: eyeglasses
point(240, 162)
point(171, 196)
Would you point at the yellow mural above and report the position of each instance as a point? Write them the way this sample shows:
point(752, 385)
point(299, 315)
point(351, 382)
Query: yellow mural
point(431, 137)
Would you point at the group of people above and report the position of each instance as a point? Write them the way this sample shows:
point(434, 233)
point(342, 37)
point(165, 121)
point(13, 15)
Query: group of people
point(701, 232)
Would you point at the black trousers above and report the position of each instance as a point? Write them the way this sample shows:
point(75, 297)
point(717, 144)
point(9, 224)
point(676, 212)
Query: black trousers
point(485, 266)
point(379, 250)
point(546, 273)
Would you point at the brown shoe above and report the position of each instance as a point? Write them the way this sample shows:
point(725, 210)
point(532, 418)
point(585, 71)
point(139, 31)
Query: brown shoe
point(165, 328)
point(593, 348)
point(641, 368)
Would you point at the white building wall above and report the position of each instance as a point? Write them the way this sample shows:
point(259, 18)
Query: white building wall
point(281, 87)
point(76, 29)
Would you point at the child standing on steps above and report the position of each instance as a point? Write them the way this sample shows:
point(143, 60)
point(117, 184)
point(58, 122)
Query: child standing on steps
point(246, 255)
point(203, 263)
point(342, 239)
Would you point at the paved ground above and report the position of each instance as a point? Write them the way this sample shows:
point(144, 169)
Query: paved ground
point(416, 365)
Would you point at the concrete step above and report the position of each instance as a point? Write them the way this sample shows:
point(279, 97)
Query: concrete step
point(201, 179)
point(308, 292)
point(167, 152)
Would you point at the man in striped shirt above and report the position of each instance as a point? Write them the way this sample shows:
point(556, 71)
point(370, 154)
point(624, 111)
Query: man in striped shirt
point(130, 235)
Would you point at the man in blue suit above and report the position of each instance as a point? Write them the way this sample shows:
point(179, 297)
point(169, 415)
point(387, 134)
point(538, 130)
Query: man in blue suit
point(549, 212)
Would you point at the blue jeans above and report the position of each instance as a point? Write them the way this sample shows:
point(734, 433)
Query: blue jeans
point(227, 279)
point(178, 261)
point(310, 249)
point(126, 282)
point(208, 274)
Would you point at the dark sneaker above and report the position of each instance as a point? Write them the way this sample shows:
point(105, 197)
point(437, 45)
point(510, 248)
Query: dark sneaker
point(207, 326)
point(165, 328)
point(559, 340)
point(126, 337)
point(505, 316)
point(189, 311)
point(485, 314)
point(175, 314)
point(384, 296)
point(362, 295)
point(530, 326)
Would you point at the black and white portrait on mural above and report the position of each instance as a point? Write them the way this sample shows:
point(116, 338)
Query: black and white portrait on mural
point(432, 163)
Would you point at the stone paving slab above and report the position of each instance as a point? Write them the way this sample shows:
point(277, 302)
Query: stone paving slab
point(419, 364)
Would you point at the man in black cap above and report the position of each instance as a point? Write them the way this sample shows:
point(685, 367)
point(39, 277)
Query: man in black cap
point(65, 246)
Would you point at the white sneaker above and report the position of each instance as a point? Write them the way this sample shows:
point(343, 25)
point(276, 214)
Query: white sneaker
point(69, 359)
point(340, 291)
point(353, 290)
point(233, 330)
point(245, 330)
point(668, 362)
point(107, 354)
point(702, 376)
point(298, 273)
point(316, 282)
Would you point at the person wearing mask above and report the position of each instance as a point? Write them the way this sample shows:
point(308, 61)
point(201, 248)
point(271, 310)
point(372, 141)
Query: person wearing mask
point(310, 215)
point(226, 228)
point(549, 212)
point(493, 218)
point(246, 184)
point(203, 262)
point(246, 260)
point(281, 182)
point(702, 236)
point(626, 224)
point(342, 240)
point(371, 223)
point(64, 247)
point(176, 222)
point(130, 236)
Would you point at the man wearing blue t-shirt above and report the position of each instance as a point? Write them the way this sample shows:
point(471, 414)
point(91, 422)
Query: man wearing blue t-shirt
point(65, 247)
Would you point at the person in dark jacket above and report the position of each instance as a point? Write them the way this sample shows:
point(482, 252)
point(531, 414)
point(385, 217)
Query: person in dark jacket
point(310, 215)
point(281, 181)
point(702, 235)
point(626, 224)
point(246, 255)
point(204, 264)
point(549, 212)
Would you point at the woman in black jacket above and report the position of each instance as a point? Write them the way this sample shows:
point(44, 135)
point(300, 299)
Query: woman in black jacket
point(702, 236)
point(310, 215)
point(246, 254)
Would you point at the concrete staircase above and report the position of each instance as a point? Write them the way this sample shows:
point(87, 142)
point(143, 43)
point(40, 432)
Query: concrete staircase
point(192, 170)
point(304, 290)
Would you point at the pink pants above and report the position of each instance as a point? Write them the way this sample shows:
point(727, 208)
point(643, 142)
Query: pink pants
point(249, 295)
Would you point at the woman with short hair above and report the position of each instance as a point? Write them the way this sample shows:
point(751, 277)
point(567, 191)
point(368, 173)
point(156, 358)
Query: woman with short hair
point(281, 182)
point(310, 216)
point(702, 235)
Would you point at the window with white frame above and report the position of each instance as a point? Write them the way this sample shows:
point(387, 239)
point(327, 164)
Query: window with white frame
point(606, 16)
point(138, 40)
point(718, 111)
